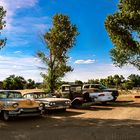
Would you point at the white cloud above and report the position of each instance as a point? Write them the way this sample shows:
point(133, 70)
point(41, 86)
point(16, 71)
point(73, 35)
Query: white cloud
point(27, 67)
point(17, 52)
point(11, 6)
point(99, 71)
point(89, 61)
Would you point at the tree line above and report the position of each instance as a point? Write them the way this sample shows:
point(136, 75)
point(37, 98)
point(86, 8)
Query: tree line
point(117, 81)
point(18, 82)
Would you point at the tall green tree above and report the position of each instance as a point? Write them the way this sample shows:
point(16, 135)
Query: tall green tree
point(2, 25)
point(123, 28)
point(14, 82)
point(135, 79)
point(59, 39)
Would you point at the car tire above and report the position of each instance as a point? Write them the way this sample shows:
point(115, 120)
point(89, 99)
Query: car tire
point(5, 115)
point(63, 110)
point(104, 103)
point(76, 104)
point(114, 98)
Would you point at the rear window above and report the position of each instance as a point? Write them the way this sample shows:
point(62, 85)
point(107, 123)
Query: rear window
point(86, 86)
point(12, 94)
point(2, 95)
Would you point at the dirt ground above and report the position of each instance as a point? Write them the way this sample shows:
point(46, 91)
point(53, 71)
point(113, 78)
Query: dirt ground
point(114, 121)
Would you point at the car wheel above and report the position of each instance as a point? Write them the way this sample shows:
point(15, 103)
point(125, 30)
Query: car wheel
point(114, 98)
point(63, 110)
point(104, 103)
point(76, 104)
point(5, 116)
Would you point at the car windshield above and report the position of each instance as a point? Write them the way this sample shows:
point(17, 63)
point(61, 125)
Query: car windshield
point(42, 95)
point(103, 87)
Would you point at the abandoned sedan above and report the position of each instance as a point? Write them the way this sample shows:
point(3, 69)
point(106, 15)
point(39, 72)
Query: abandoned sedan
point(50, 102)
point(13, 104)
point(101, 97)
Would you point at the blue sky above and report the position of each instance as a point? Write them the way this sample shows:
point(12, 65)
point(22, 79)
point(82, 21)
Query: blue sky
point(27, 20)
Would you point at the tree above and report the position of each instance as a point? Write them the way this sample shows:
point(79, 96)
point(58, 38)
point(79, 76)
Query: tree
point(135, 79)
point(30, 84)
point(118, 80)
point(78, 82)
point(2, 25)
point(14, 82)
point(123, 28)
point(59, 39)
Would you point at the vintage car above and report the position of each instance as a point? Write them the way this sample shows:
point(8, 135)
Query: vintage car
point(12, 104)
point(100, 88)
point(101, 97)
point(79, 97)
point(50, 102)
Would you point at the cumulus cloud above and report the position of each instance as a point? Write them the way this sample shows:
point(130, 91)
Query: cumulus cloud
point(99, 71)
point(27, 67)
point(12, 6)
point(89, 61)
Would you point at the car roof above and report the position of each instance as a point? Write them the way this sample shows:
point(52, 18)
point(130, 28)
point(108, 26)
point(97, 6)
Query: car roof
point(36, 92)
point(9, 91)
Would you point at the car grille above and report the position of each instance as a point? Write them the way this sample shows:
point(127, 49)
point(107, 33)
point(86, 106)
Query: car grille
point(60, 104)
point(30, 109)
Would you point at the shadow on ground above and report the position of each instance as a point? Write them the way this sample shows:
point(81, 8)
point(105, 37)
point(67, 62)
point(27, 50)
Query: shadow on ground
point(69, 129)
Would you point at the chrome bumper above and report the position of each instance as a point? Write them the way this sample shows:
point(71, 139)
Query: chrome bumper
point(25, 112)
point(55, 107)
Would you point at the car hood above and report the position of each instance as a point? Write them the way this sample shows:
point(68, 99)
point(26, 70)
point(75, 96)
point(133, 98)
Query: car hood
point(98, 93)
point(23, 103)
point(110, 89)
point(53, 99)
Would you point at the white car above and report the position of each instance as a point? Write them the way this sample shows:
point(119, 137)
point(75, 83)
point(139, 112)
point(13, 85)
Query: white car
point(50, 102)
point(101, 97)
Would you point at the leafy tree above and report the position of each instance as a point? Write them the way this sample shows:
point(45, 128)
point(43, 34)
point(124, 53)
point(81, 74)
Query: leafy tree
point(78, 82)
point(14, 82)
point(135, 79)
point(59, 39)
point(30, 84)
point(93, 81)
point(118, 80)
point(2, 25)
point(123, 28)
point(127, 85)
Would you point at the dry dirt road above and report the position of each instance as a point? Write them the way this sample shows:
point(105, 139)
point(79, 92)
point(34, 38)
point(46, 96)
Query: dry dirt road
point(115, 121)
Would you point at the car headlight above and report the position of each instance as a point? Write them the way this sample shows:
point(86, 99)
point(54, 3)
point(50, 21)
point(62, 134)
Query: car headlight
point(67, 102)
point(41, 105)
point(15, 105)
point(51, 103)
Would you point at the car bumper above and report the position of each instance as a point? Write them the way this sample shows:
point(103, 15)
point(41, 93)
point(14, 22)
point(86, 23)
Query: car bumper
point(103, 99)
point(25, 112)
point(56, 107)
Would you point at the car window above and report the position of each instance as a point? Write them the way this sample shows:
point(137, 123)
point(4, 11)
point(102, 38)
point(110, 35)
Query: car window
point(14, 95)
point(86, 86)
point(2, 95)
point(42, 95)
point(65, 88)
point(28, 96)
point(95, 86)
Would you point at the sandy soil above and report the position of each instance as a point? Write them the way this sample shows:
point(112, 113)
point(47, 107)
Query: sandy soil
point(114, 121)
